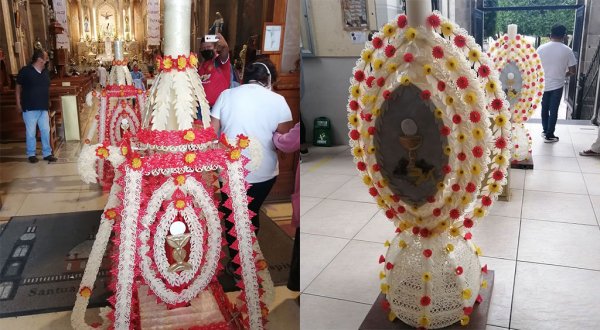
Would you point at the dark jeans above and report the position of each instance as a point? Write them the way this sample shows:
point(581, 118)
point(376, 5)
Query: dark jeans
point(258, 192)
point(550, 103)
point(294, 280)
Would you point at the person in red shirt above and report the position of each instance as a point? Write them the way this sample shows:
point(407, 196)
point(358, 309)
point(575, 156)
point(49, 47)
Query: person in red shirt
point(215, 68)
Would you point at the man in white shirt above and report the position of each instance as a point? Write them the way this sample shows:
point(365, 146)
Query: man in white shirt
point(102, 75)
point(558, 62)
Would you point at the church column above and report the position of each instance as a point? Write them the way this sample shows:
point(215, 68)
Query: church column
point(131, 25)
point(119, 20)
point(81, 30)
point(94, 23)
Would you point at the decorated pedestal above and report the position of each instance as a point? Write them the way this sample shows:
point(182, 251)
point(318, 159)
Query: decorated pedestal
point(430, 132)
point(163, 212)
point(522, 78)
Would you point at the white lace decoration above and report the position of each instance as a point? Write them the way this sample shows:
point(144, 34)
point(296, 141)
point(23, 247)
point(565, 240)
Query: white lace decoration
point(120, 75)
point(117, 114)
point(255, 154)
point(88, 158)
point(179, 148)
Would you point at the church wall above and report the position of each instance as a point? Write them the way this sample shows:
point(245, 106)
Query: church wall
point(291, 45)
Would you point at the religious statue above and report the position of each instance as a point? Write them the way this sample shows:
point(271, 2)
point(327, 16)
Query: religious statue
point(86, 24)
point(126, 23)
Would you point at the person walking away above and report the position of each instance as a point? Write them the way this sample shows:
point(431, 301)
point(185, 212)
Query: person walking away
point(32, 96)
point(102, 74)
point(558, 62)
point(253, 110)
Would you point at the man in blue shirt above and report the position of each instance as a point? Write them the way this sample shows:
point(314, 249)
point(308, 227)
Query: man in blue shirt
point(32, 96)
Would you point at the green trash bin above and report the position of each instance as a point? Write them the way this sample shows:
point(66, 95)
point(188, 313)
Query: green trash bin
point(322, 132)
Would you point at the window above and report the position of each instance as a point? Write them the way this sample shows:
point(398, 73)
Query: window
point(5, 289)
point(21, 251)
point(13, 269)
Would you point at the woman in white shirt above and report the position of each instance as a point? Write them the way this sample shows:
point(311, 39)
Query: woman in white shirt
point(254, 110)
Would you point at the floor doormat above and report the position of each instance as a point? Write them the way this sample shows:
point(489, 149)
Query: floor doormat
point(42, 259)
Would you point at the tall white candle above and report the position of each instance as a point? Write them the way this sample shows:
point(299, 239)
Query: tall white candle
point(512, 31)
point(177, 27)
point(417, 11)
point(118, 50)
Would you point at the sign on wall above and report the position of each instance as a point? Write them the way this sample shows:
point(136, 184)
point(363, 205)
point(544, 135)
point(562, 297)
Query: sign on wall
point(153, 23)
point(60, 11)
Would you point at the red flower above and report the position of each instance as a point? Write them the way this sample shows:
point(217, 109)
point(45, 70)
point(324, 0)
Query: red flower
point(437, 212)
point(427, 253)
point(461, 156)
point(366, 116)
point(353, 105)
point(459, 270)
point(500, 143)
point(354, 134)
point(416, 230)
point(361, 166)
point(386, 94)
point(466, 310)
point(425, 300)
point(437, 52)
point(380, 81)
point(497, 104)
point(389, 214)
point(385, 304)
point(441, 86)
point(456, 119)
point(484, 269)
point(424, 232)
point(395, 198)
point(377, 42)
point(454, 214)
point(359, 75)
point(460, 41)
point(468, 223)
point(369, 81)
point(408, 57)
point(483, 71)
point(431, 199)
point(445, 130)
point(475, 116)
point(433, 20)
point(477, 151)
point(498, 175)
point(468, 236)
point(462, 82)
point(401, 21)
point(486, 200)
point(371, 130)
point(447, 169)
point(373, 192)
point(390, 51)
point(401, 209)
point(470, 187)
point(389, 265)
point(381, 259)
point(455, 187)
point(426, 94)
point(376, 167)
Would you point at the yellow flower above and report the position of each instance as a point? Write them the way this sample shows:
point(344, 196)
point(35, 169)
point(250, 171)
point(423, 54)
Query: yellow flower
point(419, 220)
point(494, 187)
point(102, 152)
point(181, 62)
point(449, 247)
point(402, 244)
point(478, 251)
point(136, 162)
point(111, 214)
point(388, 30)
point(381, 275)
point(449, 200)
point(427, 69)
point(85, 292)
point(470, 98)
point(479, 212)
point(380, 201)
point(465, 199)
point(235, 154)
point(474, 55)
point(410, 34)
point(500, 120)
point(475, 169)
point(460, 172)
point(371, 150)
point(392, 67)
point(440, 185)
point(358, 152)
point(454, 231)
point(353, 120)
point(355, 91)
point(194, 60)
point(368, 99)
point(243, 142)
point(443, 225)
point(384, 288)
point(367, 180)
point(423, 321)
point(466, 294)
point(461, 137)
point(449, 100)
point(490, 86)
point(377, 64)
point(477, 133)
point(403, 225)
point(367, 55)
point(447, 28)
point(124, 151)
point(426, 277)
point(190, 157)
point(180, 204)
point(484, 284)
point(404, 80)
point(464, 320)
point(167, 63)
point(189, 136)
point(447, 150)
point(439, 113)
point(180, 180)
point(451, 64)
point(375, 112)
point(500, 160)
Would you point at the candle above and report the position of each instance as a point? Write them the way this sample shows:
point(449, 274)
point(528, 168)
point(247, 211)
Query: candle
point(512, 31)
point(417, 11)
point(177, 27)
point(118, 50)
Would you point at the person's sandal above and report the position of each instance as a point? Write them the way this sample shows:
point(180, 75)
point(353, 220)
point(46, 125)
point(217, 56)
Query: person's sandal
point(589, 152)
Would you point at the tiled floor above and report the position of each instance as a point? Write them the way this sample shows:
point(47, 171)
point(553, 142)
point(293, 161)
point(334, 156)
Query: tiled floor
point(544, 245)
point(42, 188)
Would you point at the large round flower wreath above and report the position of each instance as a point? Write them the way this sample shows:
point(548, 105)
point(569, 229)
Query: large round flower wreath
point(452, 74)
point(437, 59)
point(524, 101)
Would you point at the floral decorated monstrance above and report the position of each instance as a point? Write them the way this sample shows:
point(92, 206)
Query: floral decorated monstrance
point(522, 78)
point(119, 112)
point(430, 133)
point(163, 213)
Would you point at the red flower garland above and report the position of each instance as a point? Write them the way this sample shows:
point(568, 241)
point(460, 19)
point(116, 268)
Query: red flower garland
point(437, 52)
point(402, 21)
point(434, 21)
